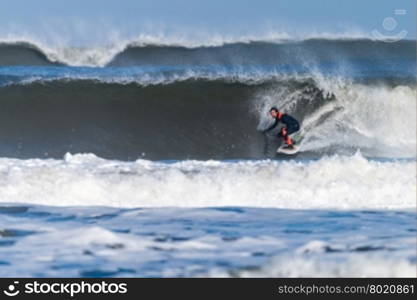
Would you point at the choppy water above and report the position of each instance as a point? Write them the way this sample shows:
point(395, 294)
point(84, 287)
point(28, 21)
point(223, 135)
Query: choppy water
point(224, 241)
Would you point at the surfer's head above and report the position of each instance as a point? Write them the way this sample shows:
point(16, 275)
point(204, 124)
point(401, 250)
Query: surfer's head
point(274, 112)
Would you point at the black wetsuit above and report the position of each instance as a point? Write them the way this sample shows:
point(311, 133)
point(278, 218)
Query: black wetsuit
point(291, 124)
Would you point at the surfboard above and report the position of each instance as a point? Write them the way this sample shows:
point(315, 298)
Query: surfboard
point(292, 151)
point(297, 138)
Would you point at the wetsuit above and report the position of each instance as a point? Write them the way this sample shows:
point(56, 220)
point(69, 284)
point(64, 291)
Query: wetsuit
point(291, 126)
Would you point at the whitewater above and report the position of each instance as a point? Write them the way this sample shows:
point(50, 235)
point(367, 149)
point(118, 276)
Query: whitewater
point(145, 158)
point(85, 179)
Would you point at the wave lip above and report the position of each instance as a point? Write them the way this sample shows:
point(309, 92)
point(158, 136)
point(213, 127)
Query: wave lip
point(340, 182)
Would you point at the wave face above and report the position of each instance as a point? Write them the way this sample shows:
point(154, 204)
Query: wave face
point(203, 118)
point(176, 102)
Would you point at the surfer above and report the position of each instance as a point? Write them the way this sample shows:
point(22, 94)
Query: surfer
point(291, 125)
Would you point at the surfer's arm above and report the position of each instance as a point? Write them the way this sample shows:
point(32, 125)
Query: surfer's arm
point(272, 126)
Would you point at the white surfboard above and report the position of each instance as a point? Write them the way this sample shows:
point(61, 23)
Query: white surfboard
point(297, 137)
point(292, 151)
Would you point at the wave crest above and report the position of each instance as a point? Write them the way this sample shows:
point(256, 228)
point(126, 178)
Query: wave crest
point(148, 50)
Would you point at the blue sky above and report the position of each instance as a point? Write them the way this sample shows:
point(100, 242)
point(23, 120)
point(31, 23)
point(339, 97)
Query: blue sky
point(82, 18)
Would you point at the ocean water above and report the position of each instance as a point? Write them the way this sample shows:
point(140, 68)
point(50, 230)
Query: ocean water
point(145, 159)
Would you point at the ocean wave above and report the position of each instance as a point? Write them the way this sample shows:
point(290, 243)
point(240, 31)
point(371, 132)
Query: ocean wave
point(147, 76)
point(165, 75)
point(340, 182)
point(148, 51)
point(171, 118)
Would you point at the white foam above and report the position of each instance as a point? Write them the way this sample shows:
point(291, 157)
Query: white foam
point(97, 56)
point(312, 259)
point(331, 182)
point(382, 118)
point(357, 265)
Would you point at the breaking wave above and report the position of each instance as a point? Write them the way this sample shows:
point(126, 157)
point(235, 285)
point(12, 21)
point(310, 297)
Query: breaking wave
point(342, 182)
point(204, 117)
point(150, 51)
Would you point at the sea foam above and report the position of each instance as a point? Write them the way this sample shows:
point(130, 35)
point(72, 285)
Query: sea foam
point(340, 182)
